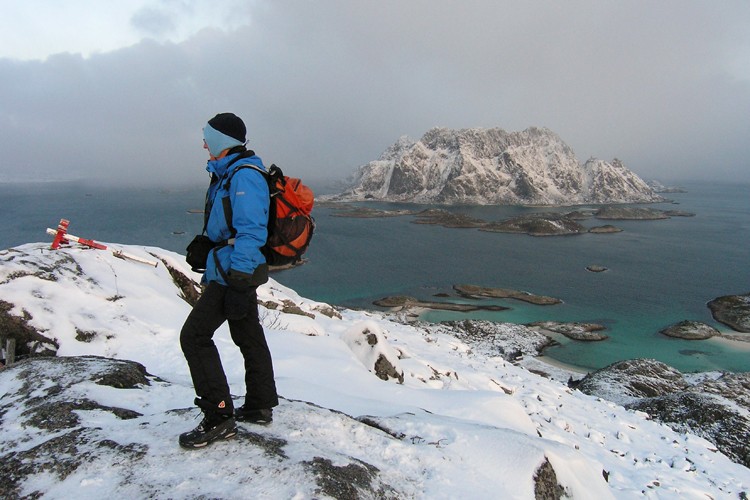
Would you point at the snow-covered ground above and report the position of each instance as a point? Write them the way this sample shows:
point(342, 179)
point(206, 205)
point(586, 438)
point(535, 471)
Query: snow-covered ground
point(463, 424)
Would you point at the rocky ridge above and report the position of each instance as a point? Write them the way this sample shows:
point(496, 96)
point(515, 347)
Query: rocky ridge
point(715, 406)
point(493, 167)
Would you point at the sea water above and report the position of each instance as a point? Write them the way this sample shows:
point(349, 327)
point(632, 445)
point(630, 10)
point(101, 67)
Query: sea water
point(659, 272)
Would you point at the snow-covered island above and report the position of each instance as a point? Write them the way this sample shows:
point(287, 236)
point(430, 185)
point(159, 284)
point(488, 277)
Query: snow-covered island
point(372, 407)
point(493, 167)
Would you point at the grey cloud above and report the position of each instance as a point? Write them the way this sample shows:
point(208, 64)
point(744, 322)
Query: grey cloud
point(153, 22)
point(326, 86)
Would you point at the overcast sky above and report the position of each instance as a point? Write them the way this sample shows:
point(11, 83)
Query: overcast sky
point(120, 90)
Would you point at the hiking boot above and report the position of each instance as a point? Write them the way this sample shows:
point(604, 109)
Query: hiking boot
point(256, 416)
point(208, 431)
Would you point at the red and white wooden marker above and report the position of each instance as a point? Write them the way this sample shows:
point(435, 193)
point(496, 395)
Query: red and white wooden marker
point(61, 234)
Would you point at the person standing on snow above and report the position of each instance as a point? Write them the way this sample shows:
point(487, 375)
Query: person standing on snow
point(234, 268)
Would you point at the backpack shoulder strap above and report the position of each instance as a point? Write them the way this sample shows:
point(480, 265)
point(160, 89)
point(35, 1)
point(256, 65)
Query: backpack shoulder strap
point(228, 212)
point(240, 157)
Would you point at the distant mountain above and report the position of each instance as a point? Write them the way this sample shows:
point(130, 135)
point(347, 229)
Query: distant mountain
point(493, 167)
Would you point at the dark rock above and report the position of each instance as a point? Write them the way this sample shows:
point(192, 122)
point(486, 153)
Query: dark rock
point(29, 340)
point(289, 307)
point(717, 409)
point(678, 213)
point(691, 330)
point(67, 446)
point(596, 269)
point(448, 219)
point(606, 229)
point(546, 486)
point(630, 213)
point(124, 375)
point(572, 330)
point(580, 214)
point(705, 415)
point(189, 289)
point(540, 224)
point(510, 341)
point(733, 311)
point(272, 446)
point(474, 291)
point(385, 370)
point(632, 379)
point(405, 302)
point(357, 479)
point(59, 456)
point(66, 434)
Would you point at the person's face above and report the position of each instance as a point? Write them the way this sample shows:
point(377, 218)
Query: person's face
point(205, 146)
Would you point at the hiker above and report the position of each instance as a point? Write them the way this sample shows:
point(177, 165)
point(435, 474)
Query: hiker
point(234, 268)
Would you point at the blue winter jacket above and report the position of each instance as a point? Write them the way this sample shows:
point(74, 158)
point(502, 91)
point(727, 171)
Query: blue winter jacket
point(249, 200)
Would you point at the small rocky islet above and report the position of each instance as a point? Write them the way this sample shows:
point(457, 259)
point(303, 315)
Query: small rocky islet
point(733, 311)
point(533, 224)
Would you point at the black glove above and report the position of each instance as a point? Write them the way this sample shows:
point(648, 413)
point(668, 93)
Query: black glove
point(197, 252)
point(237, 299)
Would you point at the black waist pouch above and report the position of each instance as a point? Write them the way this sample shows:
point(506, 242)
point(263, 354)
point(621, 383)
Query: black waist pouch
point(197, 252)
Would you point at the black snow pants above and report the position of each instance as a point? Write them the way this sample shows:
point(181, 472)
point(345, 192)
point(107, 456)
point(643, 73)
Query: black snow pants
point(209, 379)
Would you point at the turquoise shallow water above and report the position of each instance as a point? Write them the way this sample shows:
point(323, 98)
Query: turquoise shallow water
point(660, 272)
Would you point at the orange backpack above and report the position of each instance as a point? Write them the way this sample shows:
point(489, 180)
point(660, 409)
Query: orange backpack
point(290, 223)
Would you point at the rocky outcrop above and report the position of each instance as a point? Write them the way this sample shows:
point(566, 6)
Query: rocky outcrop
point(716, 408)
point(492, 166)
point(629, 380)
point(367, 341)
point(475, 291)
point(594, 268)
point(733, 311)
point(691, 330)
point(507, 340)
point(605, 229)
point(630, 213)
point(402, 302)
point(448, 219)
point(577, 331)
point(638, 213)
point(48, 407)
point(29, 340)
point(538, 224)
point(71, 434)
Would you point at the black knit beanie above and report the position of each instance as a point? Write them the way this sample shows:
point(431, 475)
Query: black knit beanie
point(229, 124)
